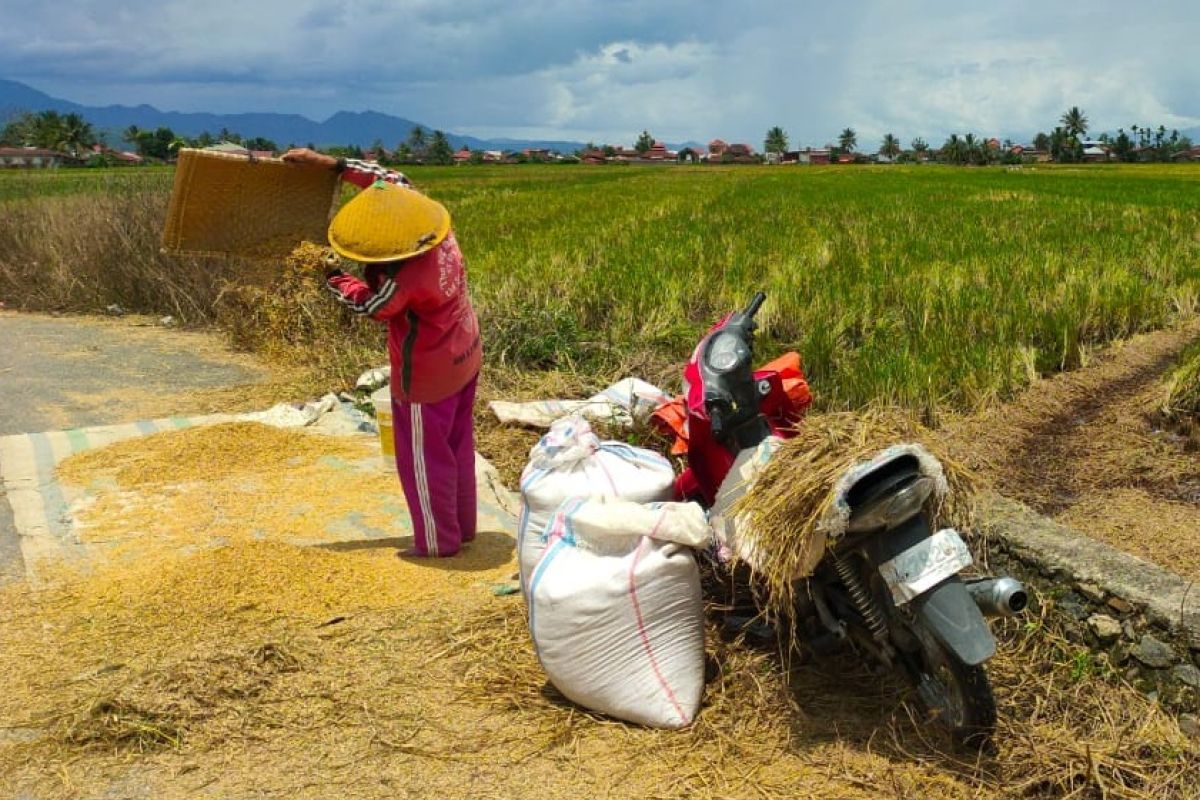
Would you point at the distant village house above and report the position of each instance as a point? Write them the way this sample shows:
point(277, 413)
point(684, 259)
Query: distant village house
point(32, 157)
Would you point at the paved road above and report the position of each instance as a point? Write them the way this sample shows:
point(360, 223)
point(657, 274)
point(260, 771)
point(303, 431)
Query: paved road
point(67, 372)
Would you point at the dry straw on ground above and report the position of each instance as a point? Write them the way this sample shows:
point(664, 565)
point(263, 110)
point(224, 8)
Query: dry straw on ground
point(1091, 449)
point(796, 489)
point(264, 668)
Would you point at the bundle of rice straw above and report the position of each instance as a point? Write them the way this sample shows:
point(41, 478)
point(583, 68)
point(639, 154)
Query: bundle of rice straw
point(792, 500)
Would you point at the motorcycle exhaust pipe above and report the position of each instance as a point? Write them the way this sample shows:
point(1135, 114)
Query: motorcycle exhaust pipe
point(999, 597)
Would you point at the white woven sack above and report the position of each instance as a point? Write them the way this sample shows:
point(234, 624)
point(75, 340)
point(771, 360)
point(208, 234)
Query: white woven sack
point(571, 461)
point(617, 618)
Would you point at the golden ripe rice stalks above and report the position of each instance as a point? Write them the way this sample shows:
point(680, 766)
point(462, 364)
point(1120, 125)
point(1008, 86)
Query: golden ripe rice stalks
point(796, 489)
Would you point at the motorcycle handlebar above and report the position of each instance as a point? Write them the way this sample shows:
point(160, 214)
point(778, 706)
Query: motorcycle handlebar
point(755, 304)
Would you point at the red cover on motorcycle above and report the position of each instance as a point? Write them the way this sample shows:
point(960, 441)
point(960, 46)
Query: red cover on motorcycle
point(783, 411)
point(685, 419)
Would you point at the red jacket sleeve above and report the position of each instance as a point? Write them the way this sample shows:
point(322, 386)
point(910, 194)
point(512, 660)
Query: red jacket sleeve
point(381, 304)
point(364, 173)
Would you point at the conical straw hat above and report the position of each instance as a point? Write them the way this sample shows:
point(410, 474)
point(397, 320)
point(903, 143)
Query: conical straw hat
point(386, 222)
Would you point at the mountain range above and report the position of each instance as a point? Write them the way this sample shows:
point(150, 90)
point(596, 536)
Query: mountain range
point(361, 128)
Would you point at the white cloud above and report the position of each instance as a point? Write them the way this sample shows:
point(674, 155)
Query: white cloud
point(684, 70)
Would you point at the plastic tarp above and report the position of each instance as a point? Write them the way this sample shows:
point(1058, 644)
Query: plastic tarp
point(620, 403)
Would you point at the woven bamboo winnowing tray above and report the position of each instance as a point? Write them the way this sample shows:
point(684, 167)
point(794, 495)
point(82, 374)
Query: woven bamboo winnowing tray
point(229, 204)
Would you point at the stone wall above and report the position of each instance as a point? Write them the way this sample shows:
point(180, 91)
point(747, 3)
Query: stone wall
point(1142, 620)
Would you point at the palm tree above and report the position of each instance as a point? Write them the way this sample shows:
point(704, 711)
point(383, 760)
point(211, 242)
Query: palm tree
point(1074, 122)
point(920, 147)
point(890, 146)
point(440, 151)
point(848, 140)
point(1062, 145)
point(75, 134)
point(776, 141)
point(957, 150)
point(417, 142)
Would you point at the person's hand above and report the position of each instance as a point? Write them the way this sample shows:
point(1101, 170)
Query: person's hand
point(332, 265)
point(302, 155)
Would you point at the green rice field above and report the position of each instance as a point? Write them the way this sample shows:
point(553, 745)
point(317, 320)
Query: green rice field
point(929, 287)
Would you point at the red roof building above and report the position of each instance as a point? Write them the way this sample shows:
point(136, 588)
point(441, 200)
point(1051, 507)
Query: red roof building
point(462, 156)
point(658, 152)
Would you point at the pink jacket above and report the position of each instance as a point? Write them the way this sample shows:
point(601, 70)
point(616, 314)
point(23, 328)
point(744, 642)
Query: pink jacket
point(433, 333)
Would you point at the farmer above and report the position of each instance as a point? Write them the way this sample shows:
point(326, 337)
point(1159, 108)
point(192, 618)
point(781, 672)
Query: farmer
point(415, 282)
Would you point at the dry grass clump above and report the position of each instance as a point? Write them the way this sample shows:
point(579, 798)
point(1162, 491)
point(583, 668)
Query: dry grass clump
point(1068, 726)
point(156, 708)
point(795, 491)
point(1181, 395)
point(433, 681)
point(82, 252)
point(286, 313)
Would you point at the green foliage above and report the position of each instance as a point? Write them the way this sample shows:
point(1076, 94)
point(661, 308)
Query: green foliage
point(1182, 394)
point(154, 144)
point(67, 133)
point(776, 140)
point(644, 142)
point(1074, 122)
point(1083, 665)
point(927, 287)
point(848, 140)
point(440, 151)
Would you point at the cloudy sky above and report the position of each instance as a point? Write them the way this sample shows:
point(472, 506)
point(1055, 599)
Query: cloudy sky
point(604, 70)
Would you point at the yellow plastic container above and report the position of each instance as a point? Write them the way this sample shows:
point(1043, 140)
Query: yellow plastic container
point(382, 400)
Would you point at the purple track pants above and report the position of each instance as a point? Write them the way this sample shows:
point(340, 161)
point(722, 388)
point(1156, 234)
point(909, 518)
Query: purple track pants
point(435, 456)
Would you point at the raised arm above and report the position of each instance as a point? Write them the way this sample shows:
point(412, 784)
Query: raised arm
point(352, 170)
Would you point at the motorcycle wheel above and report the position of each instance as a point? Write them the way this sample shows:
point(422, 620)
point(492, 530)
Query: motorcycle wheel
point(957, 696)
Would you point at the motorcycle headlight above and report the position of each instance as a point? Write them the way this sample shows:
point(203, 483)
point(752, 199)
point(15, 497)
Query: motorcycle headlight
point(722, 354)
point(892, 509)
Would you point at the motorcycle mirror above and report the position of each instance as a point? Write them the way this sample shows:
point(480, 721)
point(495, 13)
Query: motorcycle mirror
point(755, 304)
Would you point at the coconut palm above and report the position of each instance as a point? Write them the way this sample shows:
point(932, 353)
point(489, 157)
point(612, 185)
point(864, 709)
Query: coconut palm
point(957, 149)
point(75, 134)
point(776, 141)
point(417, 141)
point(440, 151)
point(890, 146)
point(848, 140)
point(1074, 122)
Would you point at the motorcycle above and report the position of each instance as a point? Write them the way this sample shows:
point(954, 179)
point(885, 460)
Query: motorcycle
point(889, 587)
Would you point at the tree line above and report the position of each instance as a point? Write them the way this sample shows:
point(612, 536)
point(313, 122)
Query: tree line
point(1063, 144)
point(74, 135)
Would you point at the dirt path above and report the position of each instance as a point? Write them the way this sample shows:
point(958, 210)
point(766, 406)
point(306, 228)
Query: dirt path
point(1085, 448)
point(64, 372)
